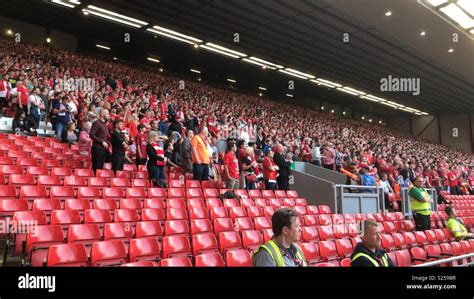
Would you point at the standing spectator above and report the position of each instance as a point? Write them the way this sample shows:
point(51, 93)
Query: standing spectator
point(186, 152)
point(411, 172)
point(270, 171)
point(22, 95)
point(5, 88)
point(63, 115)
point(329, 156)
point(248, 165)
point(420, 205)
point(100, 147)
point(162, 125)
point(70, 135)
point(119, 145)
point(44, 97)
point(200, 156)
point(231, 166)
point(141, 143)
point(306, 151)
point(284, 168)
point(156, 160)
point(316, 154)
point(85, 141)
point(36, 105)
point(387, 189)
point(453, 180)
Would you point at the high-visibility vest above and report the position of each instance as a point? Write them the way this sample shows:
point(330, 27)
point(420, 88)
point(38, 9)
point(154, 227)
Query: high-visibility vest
point(420, 207)
point(274, 251)
point(371, 259)
point(455, 226)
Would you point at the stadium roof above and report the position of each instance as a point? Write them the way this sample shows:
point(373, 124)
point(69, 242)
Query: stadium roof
point(301, 35)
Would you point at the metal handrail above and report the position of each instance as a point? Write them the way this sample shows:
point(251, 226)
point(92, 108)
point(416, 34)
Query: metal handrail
point(447, 260)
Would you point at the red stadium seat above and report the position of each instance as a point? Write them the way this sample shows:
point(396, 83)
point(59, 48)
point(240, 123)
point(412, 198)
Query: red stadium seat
point(291, 194)
point(261, 202)
point(61, 171)
point(280, 193)
point(341, 231)
point(176, 203)
point(176, 262)
point(243, 223)
point(177, 193)
point(141, 175)
point(309, 233)
point(113, 192)
point(105, 173)
point(210, 193)
point(130, 204)
point(311, 220)
point(238, 258)
point(193, 184)
point(31, 192)
point(337, 218)
point(26, 219)
point(21, 180)
point(268, 194)
point(119, 182)
point(214, 202)
point(51, 163)
point(141, 264)
point(252, 239)
point(325, 220)
point(204, 243)
point(136, 192)
point(65, 218)
point(8, 207)
point(196, 203)
point(267, 234)
point(108, 253)
point(176, 227)
point(324, 209)
point(85, 234)
point(431, 237)
point(176, 214)
point(253, 212)
point(77, 204)
point(129, 216)
point(37, 170)
point(75, 181)
point(154, 203)
point(247, 202)
point(262, 223)
point(409, 225)
point(218, 212)
point(328, 250)
point(275, 202)
point(388, 243)
point(88, 193)
point(311, 252)
point(105, 204)
point(49, 180)
point(301, 202)
point(120, 231)
point(198, 213)
point(344, 248)
point(67, 255)
point(99, 217)
point(62, 192)
point(326, 232)
point(140, 183)
point(229, 240)
point(208, 185)
point(254, 194)
point(421, 238)
point(149, 229)
point(210, 260)
point(176, 183)
point(176, 246)
point(153, 215)
point(39, 241)
point(144, 249)
point(194, 193)
point(237, 212)
point(84, 172)
point(223, 224)
point(200, 226)
point(7, 192)
point(269, 211)
point(312, 210)
point(410, 238)
point(231, 202)
point(399, 240)
point(124, 174)
point(241, 193)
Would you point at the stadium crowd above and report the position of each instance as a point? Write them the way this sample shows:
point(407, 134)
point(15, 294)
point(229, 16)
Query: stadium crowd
point(138, 114)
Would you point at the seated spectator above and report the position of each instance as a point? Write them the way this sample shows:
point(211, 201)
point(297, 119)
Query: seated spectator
point(70, 135)
point(387, 189)
point(24, 125)
point(456, 226)
point(85, 141)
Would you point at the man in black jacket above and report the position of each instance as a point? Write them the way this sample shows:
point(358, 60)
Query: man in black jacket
point(284, 166)
point(368, 252)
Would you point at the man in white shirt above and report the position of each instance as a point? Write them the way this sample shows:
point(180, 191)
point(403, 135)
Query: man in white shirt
point(316, 154)
point(5, 88)
point(35, 104)
point(244, 135)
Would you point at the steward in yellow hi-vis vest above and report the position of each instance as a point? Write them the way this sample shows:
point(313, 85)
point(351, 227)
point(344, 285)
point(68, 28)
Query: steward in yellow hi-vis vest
point(281, 250)
point(368, 252)
point(420, 205)
point(456, 226)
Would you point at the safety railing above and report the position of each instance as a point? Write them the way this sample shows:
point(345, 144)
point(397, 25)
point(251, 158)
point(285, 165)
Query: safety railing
point(449, 260)
point(343, 193)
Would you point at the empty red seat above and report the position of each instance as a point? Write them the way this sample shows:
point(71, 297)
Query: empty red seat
point(268, 194)
point(311, 220)
point(122, 215)
point(118, 231)
point(67, 255)
point(51, 163)
point(223, 224)
point(309, 233)
point(196, 203)
point(149, 229)
point(65, 218)
point(108, 253)
point(141, 183)
point(85, 234)
point(176, 246)
point(141, 264)
point(289, 202)
point(324, 219)
point(323, 209)
point(61, 171)
point(409, 225)
point(62, 192)
point(240, 192)
point(26, 219)
point(326, 232)
point(210, 193)
point(39, 241)
point(267, 234)
point(21, 179)
point(204, 243)
point(312, 210)
point(237, 212)
point(280, 193)
point(124, 174)
point(229, 240)
point(328, 250)
point(261, 202)
point(275, 202)
point(88, 193)
point(346, 262)
point(176, 214)
point(243, 223)
point(176, 203)
point(177, 193)
point(410, 238)
point(431, 237)
point(105, 204)
point(193, 184)
point(74, 181)
point(77, 204)
point(199, 226)
point(153, 215)
point(252, 239)
point(114, 192)
point(84, 172)
point(130, 204)
point(247, 202)
point(105, 173)
point(340, 231)
point(9, 206)
point(418, 255)
point(144, 249)
point(154, 203)
point(98, 182)
point(349, 218)
point(337, 218)
point(254, 193)
point(37, 170)
point(291, 194)
point(262, 223)
point(213, 202)
point(141, 174)
point(176, 262)
point(421, 238)
point(253, 212)
point(210, 260)
point(238, 258)
point(301, 202)
point(388, 243)
point(136, 192)
point(194, 193)
point(49, 180)
point(219, 212)
point(311, 252)
point(6, 161)
point(30, 192)
point(231, 202)
point(99, 217)
point(198, 213)
point(176, 227)
point(399, 240)
point(269, 211)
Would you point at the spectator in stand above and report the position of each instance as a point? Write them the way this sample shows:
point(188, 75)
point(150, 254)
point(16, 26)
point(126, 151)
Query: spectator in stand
point(248, 165)
point(162, 125)
point(5, 89)
point(387, 189)
point(316, 154)
point(170, 158)
point(453, 179)
point(23, 124)
point(365, 179)
point(119, 145)
point(156, 160)
point(63, 115)
point(284, 168)
point(456, 226)
point(36, 105)
point(85, 142)
point(231, 167)
point(200, 155)
point(270, 171)
point(22, 95)
point(420, 205)
point(186, 152)
point(141, 143)
point(329, 156)
point(99, 135)
point(306, 151)
point(192, 122)
point(70, 135)
point(411, 171)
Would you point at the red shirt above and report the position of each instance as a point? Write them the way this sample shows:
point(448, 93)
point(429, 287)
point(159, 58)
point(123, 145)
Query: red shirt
point(24, 95)
point(307, 157)
point(434, 178)
point(141, 142)
point(453, 181)
point(267, 173)
point(471, 181)
point(232, 164)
